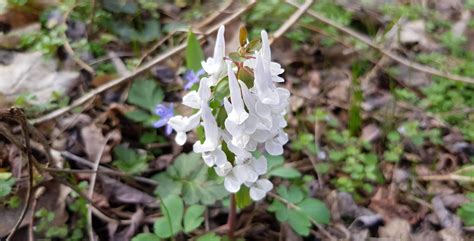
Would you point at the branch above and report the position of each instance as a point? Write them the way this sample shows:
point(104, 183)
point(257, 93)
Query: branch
point(292, 20)
point(388, 53)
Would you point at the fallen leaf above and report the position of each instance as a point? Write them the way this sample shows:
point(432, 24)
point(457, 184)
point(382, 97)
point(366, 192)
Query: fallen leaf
point(119, 192)
point(396, 229)
point(93, 141)
point(31, 73)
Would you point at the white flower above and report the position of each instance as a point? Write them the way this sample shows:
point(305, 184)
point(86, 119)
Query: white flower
point(266, 92)
point(211, 131)
point(223, 169)
point(274, 67)
point(238, 114)
point(234, 179)
point(216, 157)
point(215, 66)
point(252, 167)
point(259, 189)
point(274, 146)
point(183, 124)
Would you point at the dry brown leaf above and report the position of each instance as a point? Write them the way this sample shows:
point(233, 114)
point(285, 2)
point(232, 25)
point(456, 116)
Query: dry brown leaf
point(396, 229)
point(31, 73)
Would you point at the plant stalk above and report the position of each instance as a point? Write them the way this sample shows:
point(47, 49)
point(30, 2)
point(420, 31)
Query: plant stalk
point(232, 217)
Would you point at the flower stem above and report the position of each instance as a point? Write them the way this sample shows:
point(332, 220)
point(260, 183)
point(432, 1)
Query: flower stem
point(232, 217)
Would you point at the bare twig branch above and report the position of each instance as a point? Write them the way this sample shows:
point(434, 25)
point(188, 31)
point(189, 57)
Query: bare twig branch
point(388, 53)
point(292, 20)
point(90, 194)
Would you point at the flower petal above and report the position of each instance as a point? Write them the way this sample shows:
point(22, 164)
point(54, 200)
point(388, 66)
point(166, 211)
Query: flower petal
point(192, 99)
point(273, 148)
point(180, 138)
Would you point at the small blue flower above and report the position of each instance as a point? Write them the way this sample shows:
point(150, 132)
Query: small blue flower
point(165, 112)
point(192, 77)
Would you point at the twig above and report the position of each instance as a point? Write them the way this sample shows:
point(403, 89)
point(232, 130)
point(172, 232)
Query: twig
point(291, 205)
point(292, 20)
point(92, 181)
point(102, 169)
point(447, 177)
point(137, 72)
point(68, 48)
point(395, 57)
point(17, 115)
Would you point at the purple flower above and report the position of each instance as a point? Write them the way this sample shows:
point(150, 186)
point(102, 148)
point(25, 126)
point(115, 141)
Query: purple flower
point(165, 112)
point(192, 77)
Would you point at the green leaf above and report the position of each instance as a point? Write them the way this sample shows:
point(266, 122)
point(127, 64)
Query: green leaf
point(188, 176)
point(146, 237)
point(274, 161)
point(209, 237)
point(194, 54)
point(193, 217)
point(242, 197)
point(6, 186)
point(172, 208)
point(280, 210)
point(138, 115)
point(145, 94)
point(129, 160)
point(285, 172)
point(316, 210)
point(299, 222)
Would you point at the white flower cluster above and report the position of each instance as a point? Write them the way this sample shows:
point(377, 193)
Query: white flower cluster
point(254, 116)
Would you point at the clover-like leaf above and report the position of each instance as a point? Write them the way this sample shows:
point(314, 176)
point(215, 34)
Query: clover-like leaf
point(299, 211)
point(188, 176)
point(145, 94)
point(193, 217)
point(172, 208)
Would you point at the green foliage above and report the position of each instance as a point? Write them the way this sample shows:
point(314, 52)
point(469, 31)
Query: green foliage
point(466, 211)
point(172, 208)
point(356, 159)
point(175, 219)
point(302, 212)
point(277, 168)
point(193, 217)
point(145, 94)
point(272, 13)
point(394, 149)
point(209, 237)
point(129, 160)
point(194, 54)
point(189, 177)
point(6, 184)
point(146, 237)
point(27, 102)
point(43, 225)
point(304, 141)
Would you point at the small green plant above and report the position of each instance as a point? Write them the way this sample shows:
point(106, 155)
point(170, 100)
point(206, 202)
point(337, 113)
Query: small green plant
point(175, 219)
point(298, 210)
point(6, 183)
point(277, 168)
point(145, 94)
point(355, 158)
point(45, 218)
point(129, 160)
point(189, 178)
point(466, 211)
point(394, 149)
